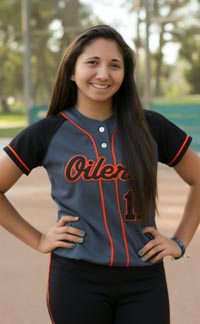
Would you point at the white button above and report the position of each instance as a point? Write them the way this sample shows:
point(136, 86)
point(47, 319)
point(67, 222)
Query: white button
point(102, 129)
point(104, 145)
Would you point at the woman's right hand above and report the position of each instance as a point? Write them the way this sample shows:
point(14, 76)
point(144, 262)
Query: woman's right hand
point(61, 236)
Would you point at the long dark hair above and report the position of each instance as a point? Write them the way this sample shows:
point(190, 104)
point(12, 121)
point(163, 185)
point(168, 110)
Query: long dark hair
point(135, 137)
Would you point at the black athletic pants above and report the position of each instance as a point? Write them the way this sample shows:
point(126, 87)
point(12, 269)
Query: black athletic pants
point(84, 293)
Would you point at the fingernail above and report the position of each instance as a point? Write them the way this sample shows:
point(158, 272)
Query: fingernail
point(140, 252)
point(76, 217)
point(73, 245)
point(80, 240)
point(82, 233)
point(143, 258)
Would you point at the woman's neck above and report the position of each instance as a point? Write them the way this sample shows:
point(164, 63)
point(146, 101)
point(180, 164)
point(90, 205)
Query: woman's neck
point(97, 111)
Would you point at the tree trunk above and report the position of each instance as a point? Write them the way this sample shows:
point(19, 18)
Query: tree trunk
point(4, 105)
point(159, 61)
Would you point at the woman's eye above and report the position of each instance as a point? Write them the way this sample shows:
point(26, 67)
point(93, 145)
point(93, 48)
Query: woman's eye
point(115, 66)
point(92, 62)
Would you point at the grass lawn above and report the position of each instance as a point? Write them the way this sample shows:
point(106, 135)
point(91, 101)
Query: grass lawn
point(190, 99)
point(11, 124)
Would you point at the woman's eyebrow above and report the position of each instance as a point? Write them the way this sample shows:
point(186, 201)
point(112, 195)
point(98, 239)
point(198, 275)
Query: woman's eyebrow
point(98, 58)
point(116, 60)
point(93, 58)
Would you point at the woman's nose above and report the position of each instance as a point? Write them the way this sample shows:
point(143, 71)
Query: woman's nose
point(102, 73)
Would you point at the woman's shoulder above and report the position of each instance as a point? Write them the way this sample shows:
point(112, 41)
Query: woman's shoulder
point(154, 118)
point(31, 144)
point(172, 141)
point(41, 130)
point(159, 124)
point(48, 123)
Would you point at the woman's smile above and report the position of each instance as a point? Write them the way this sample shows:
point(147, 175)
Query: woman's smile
point(100, 86)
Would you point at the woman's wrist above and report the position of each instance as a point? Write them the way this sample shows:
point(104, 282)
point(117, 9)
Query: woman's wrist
point(181, 246)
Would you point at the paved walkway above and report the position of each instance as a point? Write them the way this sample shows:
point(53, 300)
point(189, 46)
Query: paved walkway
point(23, 271)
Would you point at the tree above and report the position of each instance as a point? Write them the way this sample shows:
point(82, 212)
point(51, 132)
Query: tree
point(171, 17)
point(10, 51)
point(53, 24)
point(165, 17)
point(50, 37)
point(190, 52)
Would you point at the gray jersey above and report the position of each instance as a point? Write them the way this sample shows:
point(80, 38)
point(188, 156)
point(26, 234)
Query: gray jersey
point(89, 179)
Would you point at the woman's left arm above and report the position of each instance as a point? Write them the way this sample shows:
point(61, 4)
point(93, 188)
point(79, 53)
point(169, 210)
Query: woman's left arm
point(158, 248)
point(189, 170)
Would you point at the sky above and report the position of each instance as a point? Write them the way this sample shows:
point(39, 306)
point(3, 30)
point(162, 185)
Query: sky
point(116, 14)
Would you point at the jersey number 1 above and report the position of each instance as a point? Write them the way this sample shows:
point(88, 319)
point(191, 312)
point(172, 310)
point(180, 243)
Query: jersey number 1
point(130, 214)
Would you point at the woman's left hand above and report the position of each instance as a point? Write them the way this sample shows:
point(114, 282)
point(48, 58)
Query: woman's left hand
point(159, 247)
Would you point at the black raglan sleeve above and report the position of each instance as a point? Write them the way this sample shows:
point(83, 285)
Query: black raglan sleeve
point(172, 142)
point(29, 147)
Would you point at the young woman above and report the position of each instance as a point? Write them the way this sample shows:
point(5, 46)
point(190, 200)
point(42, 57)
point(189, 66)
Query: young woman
point(100, 149)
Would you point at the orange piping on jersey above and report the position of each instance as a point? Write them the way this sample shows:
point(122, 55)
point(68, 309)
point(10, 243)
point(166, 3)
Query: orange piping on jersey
point(83, 130)
point(19, 159)
point(180, 150)
point(106, 224)
point(47, 293)
point(100, 187)
point(118, 204)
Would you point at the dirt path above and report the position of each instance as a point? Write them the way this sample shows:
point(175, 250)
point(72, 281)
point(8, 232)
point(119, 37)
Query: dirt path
point(23, 272)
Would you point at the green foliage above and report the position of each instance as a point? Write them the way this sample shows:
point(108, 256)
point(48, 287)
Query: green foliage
point(190, 52)
point(10, 48)
point(52, 26)
point(170, 21)
point(193, 77)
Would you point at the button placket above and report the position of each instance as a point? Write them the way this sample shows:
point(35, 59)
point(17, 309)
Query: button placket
point(103, 137)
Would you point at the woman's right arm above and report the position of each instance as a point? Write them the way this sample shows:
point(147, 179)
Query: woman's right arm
point(12, 221)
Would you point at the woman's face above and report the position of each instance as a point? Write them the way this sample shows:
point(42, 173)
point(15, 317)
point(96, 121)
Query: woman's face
point(99, 72)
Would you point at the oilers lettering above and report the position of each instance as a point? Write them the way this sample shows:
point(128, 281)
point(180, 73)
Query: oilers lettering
point(79, 167)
